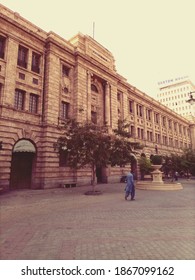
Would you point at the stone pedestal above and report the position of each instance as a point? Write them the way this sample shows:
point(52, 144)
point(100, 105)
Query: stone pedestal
point(157, 174)
point(157, 182)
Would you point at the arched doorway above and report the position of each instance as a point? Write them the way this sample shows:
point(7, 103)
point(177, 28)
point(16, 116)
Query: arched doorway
point(22, 163)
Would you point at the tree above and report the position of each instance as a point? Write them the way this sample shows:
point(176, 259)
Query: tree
point(84, 145)
point(188, 161)
point(156, 159)
point(145, 166)
point(90, 145)
point(122, 148)
point(184, 163)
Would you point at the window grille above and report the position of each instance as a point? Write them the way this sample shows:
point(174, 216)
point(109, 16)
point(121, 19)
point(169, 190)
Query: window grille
point(19, 99)
point(33, 103)
point(22, 56)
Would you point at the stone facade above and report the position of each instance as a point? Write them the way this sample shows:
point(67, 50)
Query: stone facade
point(45, 79)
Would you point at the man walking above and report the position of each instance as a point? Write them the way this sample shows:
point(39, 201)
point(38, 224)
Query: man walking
point(130, 187)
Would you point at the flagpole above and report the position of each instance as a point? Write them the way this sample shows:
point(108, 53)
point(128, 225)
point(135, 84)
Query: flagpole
point(93, 30)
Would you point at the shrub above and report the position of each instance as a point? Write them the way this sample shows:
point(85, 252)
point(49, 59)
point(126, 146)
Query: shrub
point(156, 159)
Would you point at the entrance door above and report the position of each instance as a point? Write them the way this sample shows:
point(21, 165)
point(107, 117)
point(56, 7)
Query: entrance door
point(21, 171)
point(101, 174)
point(22, 162)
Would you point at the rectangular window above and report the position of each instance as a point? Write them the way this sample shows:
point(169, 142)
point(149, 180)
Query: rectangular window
point(33, 103)
point(132, 131)
point(150, 136)
point(139, 110)
point(94, 117)
point(22, 76)
point(170, 124)
point(156, 118)
point(164, 121)
point(65, 70)
point(19, 99)
point(35, 81)
point(64, 110)
point(138, 132)
point(142, 133)
point(2, 46)
point(148, 114)
point(0, 89)
point(130, 106)
point(35, 67)
point(22, 56)
point(119, 96)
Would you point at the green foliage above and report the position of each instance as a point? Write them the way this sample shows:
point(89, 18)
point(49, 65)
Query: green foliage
point(84, 144)
point(122, 129)
point(145, 165)
point(121, 151)
point(89, 144)
point(156, 159)
point(188, 161)
point(182, 163)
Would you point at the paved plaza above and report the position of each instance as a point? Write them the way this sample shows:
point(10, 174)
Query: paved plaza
point(66, 224)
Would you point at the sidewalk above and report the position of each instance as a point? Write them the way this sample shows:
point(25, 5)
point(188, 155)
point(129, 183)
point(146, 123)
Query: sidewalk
point(66, 224)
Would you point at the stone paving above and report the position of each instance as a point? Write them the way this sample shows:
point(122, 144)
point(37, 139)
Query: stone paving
point(66, 224)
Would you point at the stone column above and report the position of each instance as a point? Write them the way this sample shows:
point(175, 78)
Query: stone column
point(178, 136)
point(89, 75)
point(173, 132)
point(192, 135)
point(135, 119)
point(167, 131)
point(107, 104)
point(113, 106)
point(153, 125)
point(161, 129)
point(9, 86)
point(182, 135)
point(145, 122)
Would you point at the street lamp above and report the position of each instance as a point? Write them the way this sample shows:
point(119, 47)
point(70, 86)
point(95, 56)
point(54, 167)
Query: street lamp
point(192, 125)
point(192, 102)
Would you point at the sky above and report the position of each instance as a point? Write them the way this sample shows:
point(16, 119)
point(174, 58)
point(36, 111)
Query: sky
point(151, 40)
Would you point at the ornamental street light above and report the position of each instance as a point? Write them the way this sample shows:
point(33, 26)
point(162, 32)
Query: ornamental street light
point(192, 102)
point(192, 125)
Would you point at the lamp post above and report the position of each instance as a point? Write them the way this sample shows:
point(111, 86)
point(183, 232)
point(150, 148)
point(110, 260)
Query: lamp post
point(192, 102)
point(192, 125)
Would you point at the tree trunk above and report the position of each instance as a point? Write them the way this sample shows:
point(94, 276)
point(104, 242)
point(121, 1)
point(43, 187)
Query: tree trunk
point(93, 177)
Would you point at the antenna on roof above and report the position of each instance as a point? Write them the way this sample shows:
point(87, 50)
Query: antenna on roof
point(93, 30)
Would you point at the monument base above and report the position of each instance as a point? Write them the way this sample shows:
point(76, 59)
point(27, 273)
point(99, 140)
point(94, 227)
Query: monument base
point(159, 186)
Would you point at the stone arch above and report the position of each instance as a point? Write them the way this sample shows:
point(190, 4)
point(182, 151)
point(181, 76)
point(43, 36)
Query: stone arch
point(22, 164)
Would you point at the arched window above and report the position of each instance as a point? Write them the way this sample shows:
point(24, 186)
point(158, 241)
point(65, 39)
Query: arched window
point(94, 88)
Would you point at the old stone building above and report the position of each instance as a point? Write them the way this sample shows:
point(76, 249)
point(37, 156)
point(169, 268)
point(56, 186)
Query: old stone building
point(45, 79)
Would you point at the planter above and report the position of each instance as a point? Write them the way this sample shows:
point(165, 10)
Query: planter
point(157, 174)
point(156, 166)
